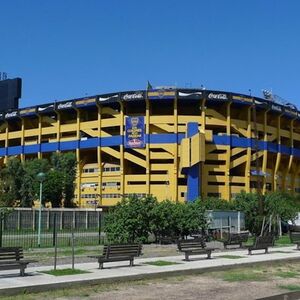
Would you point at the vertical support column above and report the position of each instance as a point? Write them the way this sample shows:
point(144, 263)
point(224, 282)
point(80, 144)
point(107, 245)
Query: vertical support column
point(193, 175)
point(291, 157)
point(228, 155)
point(248, 160)
point(202, 164)
point(22, 138)
point(265, 153)
point(6, 142)
point(40, 137)
point(78, 178)
point(147, 144)
point(278, 157)
point(175, 169)
point(294, 176)
point(99, 159)
point(58, 129)
point(122, 187)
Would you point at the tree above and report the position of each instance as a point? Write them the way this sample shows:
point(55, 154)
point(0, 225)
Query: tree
point(29, 190)
point(282, 205)
point(163, 219)
point(129, 220)
point(248, 203)
point(11, 181)
point(65, 167)
point(190, 218)
point(53, 188)
point(214, 203)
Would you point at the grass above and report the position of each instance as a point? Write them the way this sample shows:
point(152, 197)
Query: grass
point(290, 287)
point(161, 263)
point(267, 272)
point(233, 276)
point(231, 256)
point(64, 272)
point(288, 274)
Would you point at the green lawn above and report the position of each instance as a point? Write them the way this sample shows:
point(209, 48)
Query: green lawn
point(64, 272)
point(161, 263)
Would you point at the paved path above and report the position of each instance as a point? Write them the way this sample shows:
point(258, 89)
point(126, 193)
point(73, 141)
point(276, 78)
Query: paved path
point(11, 283)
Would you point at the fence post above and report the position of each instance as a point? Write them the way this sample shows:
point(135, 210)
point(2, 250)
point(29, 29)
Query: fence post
point(239, 222)
point(99, 227)
point(55, 240)
point(73, 250)
point(33, 219)
point(1, 228)
point(19, 220)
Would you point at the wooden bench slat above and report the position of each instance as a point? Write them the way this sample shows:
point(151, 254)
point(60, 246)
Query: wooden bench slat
point(193, 247)
point(295, 238)
point(12, 258)
point(112, 253)
point(262, 243)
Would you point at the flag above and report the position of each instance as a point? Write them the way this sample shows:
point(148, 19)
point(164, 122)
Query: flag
point(149, 86)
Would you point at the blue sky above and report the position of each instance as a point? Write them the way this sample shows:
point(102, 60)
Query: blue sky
point(72, 48)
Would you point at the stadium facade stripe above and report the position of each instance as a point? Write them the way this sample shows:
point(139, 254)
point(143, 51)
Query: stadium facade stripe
point(168, 138)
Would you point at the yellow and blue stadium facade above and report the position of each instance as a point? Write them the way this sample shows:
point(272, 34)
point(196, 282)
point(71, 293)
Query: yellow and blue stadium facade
point(176, 144)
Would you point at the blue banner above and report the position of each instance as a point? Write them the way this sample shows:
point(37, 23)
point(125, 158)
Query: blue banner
point(135, 132)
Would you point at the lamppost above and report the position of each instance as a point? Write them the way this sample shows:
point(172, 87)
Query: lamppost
point(40, 177)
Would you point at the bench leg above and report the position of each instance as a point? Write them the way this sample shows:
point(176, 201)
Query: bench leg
point(209, 255)
point(100, 265)
point(22, 271)
point(249, 252)
point(186, 256)
point(266, 251)
point(298, 246)
point(131, 263)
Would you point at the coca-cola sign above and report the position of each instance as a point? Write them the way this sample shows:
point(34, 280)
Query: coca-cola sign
point(11, 114)
point(134, 96)
point(217, 96)
point(65, 105)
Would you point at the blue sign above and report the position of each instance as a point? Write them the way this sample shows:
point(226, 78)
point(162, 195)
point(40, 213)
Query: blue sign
point(135, 132)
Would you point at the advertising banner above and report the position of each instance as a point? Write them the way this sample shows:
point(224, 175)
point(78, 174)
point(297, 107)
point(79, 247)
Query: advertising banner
point(135, 132)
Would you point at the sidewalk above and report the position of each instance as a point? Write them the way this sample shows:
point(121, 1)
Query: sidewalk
point(11, 283)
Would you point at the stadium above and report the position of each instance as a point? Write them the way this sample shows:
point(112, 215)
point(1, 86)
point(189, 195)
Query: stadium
point(177, 144)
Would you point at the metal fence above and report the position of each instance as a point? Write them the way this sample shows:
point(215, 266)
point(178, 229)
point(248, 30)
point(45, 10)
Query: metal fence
point(221, 222)
point(20, 228)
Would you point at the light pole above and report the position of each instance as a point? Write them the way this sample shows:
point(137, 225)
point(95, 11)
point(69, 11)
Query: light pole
point(40, 177)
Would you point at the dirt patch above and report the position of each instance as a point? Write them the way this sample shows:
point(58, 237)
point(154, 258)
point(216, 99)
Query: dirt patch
point(193, 287)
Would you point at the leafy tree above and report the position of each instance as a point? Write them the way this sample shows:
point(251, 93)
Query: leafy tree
point(53, 188)
point(163, 219)
point(65, 167)
point(248, 203)
point(29, 190)
point(129, 220)
point(190, 218)
point(281, 204)
point(214, 203)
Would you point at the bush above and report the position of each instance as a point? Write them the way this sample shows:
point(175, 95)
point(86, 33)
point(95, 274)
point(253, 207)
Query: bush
point(129, 220)
point(134, 218)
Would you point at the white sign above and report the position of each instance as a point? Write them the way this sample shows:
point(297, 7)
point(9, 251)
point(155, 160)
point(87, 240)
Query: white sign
point(217, 96)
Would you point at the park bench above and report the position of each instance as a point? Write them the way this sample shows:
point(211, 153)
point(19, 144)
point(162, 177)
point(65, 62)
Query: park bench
point(12, 258)
point(236, 238)
point(295, 238)
point(194, 247)
point(294, 228)
point(113, 253)
point(262, 243)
